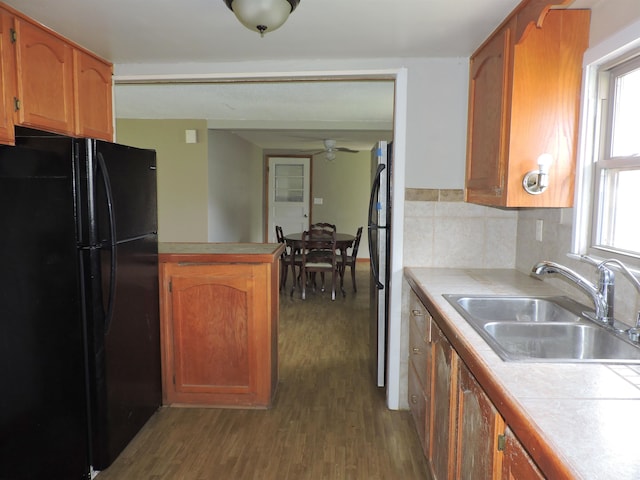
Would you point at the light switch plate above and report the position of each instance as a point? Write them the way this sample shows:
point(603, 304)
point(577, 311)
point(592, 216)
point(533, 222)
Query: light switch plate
point(317, 201)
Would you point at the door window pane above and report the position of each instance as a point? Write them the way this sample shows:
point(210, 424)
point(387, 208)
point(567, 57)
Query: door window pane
point(289, 183)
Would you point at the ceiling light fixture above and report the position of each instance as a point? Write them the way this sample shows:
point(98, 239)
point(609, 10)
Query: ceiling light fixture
point(262, 16)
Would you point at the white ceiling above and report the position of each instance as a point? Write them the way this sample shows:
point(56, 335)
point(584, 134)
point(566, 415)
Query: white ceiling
point(206, 31)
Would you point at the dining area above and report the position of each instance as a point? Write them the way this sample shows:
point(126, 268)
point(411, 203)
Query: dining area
point(323, 250)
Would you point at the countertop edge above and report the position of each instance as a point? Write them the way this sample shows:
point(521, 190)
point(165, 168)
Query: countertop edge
point(546, 456)
point(205, 252)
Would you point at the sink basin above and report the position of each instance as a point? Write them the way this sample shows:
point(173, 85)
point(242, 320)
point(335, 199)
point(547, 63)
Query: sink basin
point(543, 329)
point(521, 309)
point(560, 341)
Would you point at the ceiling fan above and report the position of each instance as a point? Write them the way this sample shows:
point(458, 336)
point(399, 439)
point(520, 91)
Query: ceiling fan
point(330, 149)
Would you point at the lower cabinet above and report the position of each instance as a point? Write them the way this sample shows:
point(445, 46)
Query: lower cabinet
point(219, 334)
point(480, 428)
point(463, 434)
point(442, 417)
point(517, 464)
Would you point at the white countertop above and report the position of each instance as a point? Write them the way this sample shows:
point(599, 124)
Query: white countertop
point(588, 413)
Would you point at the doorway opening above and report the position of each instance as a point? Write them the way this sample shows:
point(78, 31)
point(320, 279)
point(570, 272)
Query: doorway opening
point(399, 77)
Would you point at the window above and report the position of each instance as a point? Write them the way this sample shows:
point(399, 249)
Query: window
point(616, 178)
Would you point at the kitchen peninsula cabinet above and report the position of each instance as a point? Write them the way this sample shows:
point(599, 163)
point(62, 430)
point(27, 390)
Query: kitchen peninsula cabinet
point(219, 323)
point(50, 83)
point(524, 94)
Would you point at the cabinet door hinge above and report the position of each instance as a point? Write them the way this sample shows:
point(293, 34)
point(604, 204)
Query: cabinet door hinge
point(16, 103)
point(13, 35)
point(170, 286)
point(502, 442)
point(174, 378)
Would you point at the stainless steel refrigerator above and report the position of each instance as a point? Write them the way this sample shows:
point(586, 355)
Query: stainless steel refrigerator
point(379, 237)
point(79, 315)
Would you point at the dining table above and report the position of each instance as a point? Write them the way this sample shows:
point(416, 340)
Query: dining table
point(294, 242)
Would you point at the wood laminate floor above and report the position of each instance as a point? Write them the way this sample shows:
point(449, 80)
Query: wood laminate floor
point(328, 421)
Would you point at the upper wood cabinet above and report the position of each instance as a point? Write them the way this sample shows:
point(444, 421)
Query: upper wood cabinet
point(7, 78)
point(44, 79)
point(524, 100)
point(93, 96)
point(50, 83)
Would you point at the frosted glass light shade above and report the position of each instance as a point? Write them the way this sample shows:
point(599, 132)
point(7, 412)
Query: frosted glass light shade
point(262, 16)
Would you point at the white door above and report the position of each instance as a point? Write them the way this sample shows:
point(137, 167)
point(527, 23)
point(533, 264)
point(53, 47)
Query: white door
point(289, 193)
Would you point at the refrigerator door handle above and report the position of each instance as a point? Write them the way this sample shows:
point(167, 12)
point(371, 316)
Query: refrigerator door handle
point(371, 227)
point(112, 242)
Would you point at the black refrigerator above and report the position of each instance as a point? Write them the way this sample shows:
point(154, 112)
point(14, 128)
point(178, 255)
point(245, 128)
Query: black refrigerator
point(379, 238)
point(79, 313)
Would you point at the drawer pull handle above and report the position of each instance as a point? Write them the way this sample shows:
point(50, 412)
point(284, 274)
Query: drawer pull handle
point(414, 399)
point(417, 313)
point(415, 350)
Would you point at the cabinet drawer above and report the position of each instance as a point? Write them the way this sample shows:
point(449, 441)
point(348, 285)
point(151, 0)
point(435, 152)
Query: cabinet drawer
point(418, 351)
point(420, 314)
point(418, 405)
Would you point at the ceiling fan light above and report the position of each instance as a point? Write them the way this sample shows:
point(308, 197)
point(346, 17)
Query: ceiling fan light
point(262, 15)
point(331, 156)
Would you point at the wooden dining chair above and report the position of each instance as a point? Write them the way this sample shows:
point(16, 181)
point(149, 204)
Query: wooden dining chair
point(312, 263)
point(323, 226)
point(286, 260)
point(320, 228)
point(350, 261)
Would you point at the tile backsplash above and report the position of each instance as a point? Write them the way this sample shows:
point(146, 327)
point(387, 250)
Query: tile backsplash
point(441, 230)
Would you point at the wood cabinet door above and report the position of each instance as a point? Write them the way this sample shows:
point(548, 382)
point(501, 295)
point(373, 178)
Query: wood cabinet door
point(478, 427)
point(7, 79)
point(419, 367)
point(44, 79)
point(93, 96)
point(488, 117)
point(219, 339)
point(442, 418)
point(545, 102)
point(418, 402)
point(516, 463)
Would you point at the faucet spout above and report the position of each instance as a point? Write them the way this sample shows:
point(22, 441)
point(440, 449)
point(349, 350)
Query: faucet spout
point(601, 294)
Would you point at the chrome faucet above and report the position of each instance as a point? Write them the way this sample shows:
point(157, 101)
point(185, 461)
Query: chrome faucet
point(634, 332)
point(601, 294)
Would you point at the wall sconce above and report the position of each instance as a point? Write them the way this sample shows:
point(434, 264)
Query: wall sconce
point(536, 181)
point(262, 15)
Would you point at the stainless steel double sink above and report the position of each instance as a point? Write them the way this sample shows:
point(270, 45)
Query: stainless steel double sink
point(543, 329)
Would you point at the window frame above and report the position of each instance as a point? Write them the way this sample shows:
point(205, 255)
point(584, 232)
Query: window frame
point(603, 160)
point(599, 62)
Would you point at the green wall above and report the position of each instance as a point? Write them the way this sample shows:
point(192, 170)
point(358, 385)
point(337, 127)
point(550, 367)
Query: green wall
point(182, 174)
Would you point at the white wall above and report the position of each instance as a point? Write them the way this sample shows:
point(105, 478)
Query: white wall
point(437, 110)
point(609, 16)
point(235, 189)
point(182, 174)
